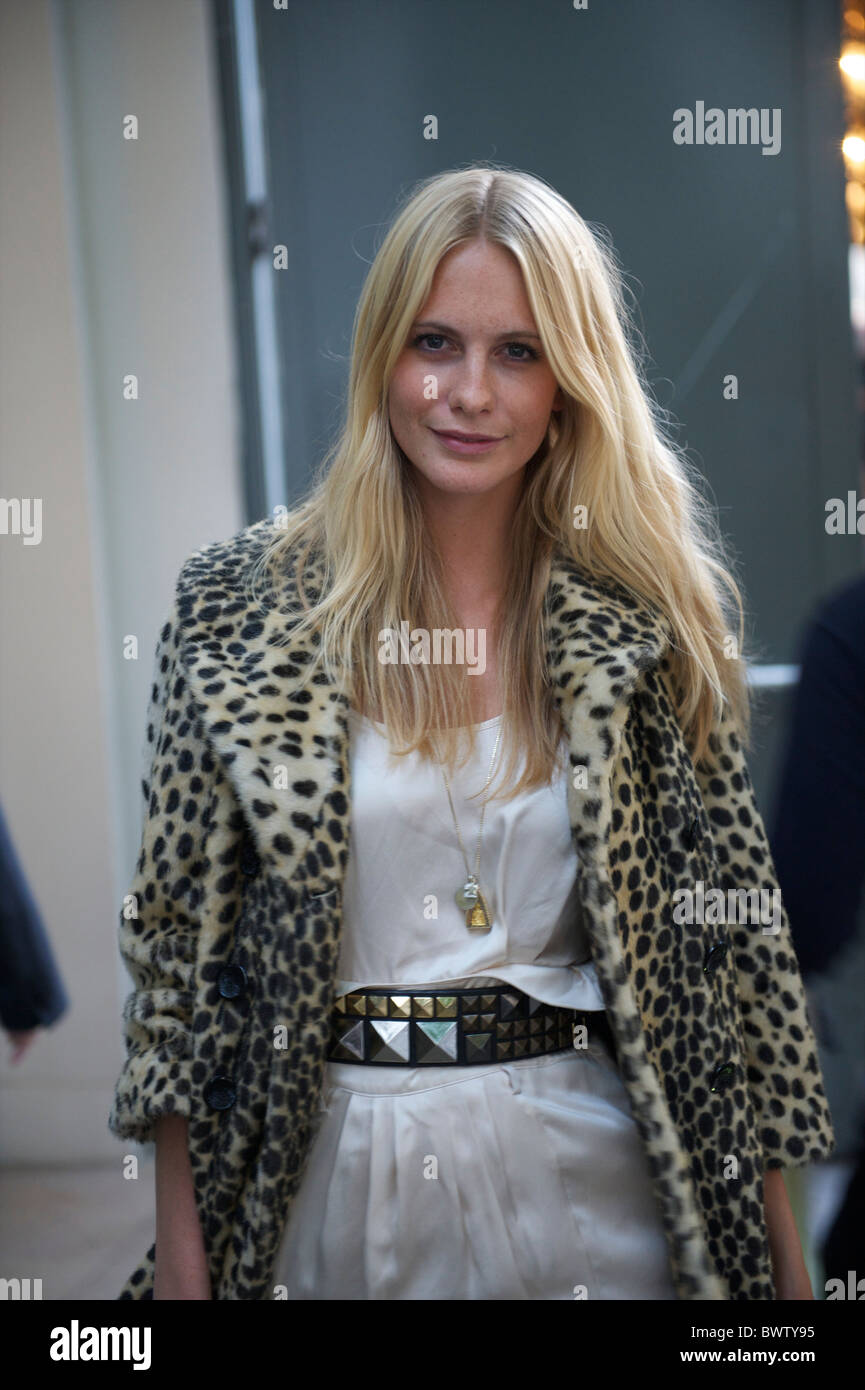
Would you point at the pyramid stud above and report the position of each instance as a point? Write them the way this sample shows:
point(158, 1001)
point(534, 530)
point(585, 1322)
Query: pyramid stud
point(389, 1041)
point(508, 1005)
point(446, 1006)
point(479, 1047)
point(436, 1042)
point(347, 1042)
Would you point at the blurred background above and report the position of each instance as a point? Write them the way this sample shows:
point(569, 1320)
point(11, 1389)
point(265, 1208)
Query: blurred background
point(190, 195)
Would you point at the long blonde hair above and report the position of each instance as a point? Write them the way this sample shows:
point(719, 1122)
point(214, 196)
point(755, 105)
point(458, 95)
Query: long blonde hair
point(649, 528)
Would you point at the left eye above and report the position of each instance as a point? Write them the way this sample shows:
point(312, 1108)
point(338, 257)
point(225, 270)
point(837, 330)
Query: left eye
point(523, 347)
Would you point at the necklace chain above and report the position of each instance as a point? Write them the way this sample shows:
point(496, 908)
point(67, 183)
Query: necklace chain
point(483, 812)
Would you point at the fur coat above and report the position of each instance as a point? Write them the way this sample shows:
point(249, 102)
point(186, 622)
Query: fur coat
point(231, 928)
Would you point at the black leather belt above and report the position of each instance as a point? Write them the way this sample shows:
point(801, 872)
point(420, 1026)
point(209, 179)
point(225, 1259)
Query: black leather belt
point(462, 1027)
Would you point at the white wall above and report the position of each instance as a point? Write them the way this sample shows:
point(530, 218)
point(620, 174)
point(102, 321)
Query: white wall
point(113, 260)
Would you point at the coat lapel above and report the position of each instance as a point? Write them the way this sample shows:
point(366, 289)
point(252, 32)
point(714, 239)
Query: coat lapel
point(283, 743)
point(599, 640)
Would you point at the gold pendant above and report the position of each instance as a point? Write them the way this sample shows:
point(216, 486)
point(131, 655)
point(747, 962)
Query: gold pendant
point(477, 917)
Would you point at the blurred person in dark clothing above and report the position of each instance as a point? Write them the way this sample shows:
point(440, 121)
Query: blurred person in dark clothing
point(818, 837)
point(31, 990)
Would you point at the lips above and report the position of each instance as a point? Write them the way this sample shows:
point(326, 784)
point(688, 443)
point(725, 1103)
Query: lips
point(468, 438)
point(467, 445)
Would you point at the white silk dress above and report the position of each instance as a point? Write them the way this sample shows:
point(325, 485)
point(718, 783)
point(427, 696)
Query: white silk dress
point(523, 1179)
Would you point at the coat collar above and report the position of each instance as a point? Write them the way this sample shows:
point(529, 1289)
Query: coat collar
point(286, 748)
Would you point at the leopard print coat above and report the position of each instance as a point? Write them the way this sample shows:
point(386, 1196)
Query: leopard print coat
point(231, 928)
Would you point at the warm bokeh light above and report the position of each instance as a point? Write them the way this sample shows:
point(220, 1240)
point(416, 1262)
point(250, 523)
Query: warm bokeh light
point(852, 62)
point(855, 198)
point(851, 66)
point(853, 147)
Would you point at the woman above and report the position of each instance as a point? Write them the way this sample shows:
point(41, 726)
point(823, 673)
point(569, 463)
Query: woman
point(428, 1003)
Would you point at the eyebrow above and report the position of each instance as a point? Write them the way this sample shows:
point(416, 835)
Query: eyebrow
point(444, 328)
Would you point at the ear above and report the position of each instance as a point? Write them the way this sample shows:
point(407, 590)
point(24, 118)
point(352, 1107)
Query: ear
point(558, 400)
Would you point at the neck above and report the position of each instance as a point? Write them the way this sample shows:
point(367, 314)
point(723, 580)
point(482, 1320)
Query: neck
point(472, 534)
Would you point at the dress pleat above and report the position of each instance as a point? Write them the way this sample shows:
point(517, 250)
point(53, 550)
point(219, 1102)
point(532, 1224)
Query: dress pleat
point(522, 1180)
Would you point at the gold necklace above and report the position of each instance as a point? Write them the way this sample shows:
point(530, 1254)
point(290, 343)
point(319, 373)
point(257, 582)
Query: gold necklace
point(468, 897)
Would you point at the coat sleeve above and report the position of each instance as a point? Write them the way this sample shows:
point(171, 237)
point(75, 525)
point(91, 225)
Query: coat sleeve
point(158, 918)
point(781, 1058)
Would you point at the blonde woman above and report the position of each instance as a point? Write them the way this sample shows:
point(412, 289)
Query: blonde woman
point(460, 967)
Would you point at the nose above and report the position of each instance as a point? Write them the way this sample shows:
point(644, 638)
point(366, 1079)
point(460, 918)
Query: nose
point(471, 388)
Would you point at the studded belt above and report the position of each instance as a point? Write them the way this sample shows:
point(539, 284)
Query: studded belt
point(464, 1027)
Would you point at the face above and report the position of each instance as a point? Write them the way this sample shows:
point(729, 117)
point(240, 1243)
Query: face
point(476, 337)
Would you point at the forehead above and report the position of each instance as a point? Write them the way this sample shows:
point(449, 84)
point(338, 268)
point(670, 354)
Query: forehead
point(479, 284)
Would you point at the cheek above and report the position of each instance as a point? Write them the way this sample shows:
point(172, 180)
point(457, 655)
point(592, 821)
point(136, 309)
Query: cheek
point(533, 406)
point(406, 394)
